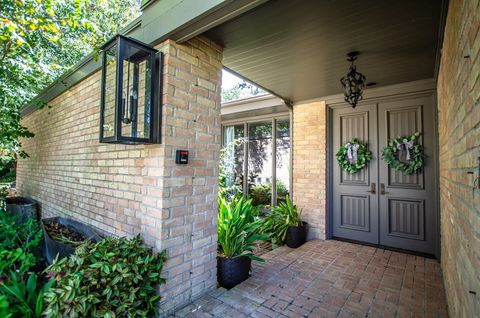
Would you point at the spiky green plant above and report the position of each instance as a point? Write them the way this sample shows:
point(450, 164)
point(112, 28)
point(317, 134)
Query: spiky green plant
point(238, 228)
point(277, 222)
point(25, 296)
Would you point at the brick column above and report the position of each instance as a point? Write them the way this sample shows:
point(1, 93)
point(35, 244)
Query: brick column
point(179, 203)
point(309, 164)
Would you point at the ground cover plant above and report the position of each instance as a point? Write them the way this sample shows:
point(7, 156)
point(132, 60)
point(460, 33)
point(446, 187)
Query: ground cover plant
point(21, 289)
point(116, 277)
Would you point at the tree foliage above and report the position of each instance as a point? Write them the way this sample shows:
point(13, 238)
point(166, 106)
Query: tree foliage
point(240, 91)
point(39, 40)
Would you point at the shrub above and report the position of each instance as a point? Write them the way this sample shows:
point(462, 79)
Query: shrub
point(261, 194)
point(4, 311)
point(114, 277)
point(238, 227)
point(277, 222)
point(9, 177)
point(19, 244)
point(24, 296)
point(20, 295)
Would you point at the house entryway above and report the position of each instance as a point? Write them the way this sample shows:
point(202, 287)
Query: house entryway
point(380, 205)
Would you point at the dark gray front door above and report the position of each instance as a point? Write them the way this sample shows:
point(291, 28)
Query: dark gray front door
point(380, 205)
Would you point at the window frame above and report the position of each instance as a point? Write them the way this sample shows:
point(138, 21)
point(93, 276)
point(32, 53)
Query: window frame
point(246, 125)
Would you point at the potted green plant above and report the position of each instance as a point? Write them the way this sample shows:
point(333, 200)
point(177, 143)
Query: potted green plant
point(284, 224)
point(238, 230)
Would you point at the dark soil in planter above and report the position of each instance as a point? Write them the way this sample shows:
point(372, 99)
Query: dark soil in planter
point(63, 235)
point(232, 271)
point(296, 235)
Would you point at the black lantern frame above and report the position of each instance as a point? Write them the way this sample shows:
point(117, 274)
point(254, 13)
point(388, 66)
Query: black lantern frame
point(354, 82)
point(152, 102)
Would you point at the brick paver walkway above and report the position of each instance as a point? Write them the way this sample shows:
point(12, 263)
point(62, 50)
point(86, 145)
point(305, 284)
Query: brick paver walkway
point(331, 279)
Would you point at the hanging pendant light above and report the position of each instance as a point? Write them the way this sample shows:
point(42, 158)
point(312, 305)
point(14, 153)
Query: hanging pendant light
point(354, 82)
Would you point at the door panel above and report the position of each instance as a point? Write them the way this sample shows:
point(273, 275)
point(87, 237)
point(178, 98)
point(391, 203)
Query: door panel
point(407, 213)
point(355, 213)
point(401, 120)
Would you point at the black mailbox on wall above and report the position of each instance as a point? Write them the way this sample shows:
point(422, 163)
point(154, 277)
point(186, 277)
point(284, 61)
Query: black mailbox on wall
point(130, 93)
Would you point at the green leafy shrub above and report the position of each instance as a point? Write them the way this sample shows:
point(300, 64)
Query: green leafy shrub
point(261, 194)
point(116, 277)
point(20, 295)
point(4, 311)
point(25, 296)
point(9, 177)
point(238, 227)
point(229, 184)
point(277, 222)
point(19, 244)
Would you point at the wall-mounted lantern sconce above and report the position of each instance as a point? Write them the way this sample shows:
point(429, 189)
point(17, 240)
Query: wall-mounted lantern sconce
point(353, 83)
point(130, 97)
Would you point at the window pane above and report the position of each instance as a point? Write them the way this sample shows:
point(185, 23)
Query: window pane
point(283, 159)
point(109, 93)
point(260, 162)
point(233, 155)
point(136, 93)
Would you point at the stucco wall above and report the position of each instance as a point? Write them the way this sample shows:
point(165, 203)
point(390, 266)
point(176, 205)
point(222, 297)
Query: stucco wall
point(459, 140)
point(126, 190)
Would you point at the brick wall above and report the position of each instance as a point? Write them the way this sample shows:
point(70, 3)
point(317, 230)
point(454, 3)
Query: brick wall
point(126, 190)
point(309, 164)
point(459, 140)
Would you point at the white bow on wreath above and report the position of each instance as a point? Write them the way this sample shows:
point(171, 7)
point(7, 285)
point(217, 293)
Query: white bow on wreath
point(352, 150)
point(407, 144)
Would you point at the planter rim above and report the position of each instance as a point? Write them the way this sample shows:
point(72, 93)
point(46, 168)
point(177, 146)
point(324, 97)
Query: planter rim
point(232, 258)
point(19, 200)
point(298, 226)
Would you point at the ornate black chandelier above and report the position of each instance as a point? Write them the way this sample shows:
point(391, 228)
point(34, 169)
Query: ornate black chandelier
point(354, 82)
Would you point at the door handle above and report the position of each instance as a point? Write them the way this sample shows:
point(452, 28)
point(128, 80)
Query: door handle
point(382, 189)
point(373, 189)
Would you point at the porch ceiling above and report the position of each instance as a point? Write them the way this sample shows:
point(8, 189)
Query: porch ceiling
point(297, 48)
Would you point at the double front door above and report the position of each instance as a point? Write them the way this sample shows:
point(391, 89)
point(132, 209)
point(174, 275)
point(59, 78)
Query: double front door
point(380, 205)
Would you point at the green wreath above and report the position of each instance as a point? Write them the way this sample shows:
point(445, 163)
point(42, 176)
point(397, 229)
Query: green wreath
point(350, 165)
point(415, 157)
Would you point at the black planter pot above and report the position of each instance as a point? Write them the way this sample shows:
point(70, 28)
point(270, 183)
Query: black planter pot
point(22, 206)
point(52, 248)
point(296, 235)
point(232, 271)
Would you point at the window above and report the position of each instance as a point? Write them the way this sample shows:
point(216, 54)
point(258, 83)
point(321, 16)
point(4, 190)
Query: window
point(264, 173)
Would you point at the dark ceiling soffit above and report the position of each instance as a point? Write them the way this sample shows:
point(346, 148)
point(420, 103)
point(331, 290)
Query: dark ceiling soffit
point(200, 15)
point(287, 102)
point(441, 34)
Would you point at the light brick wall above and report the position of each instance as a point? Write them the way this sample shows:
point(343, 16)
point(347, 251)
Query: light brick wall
point(459, 140)
point(127, 190)
point(310, 163)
